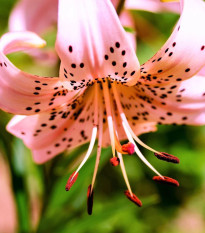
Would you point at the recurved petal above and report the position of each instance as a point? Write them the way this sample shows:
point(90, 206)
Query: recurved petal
point(127, 20)
point(155, 6)
point(36, 16)
point(177, 103)
point(39, 17)
point(52, 132)
point(92, 44)
point(23, 93)
point(183, 55)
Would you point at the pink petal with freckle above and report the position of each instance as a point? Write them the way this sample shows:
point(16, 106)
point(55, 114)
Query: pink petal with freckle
point(24, 93)
point(52, 132)
point(183, 55)
point(176, 103)
point(92, 44)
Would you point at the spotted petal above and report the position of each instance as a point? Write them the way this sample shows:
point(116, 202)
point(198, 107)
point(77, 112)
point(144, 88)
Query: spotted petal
point(50, 133)
point(183, 55)
point(92, 44)
point(178, 103)
point(23, 93)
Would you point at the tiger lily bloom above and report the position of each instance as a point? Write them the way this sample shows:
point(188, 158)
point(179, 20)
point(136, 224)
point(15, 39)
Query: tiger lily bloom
point(102, 92)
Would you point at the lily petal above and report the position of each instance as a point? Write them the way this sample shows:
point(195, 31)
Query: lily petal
point(176, 103)
point(23, 93)
point(38, 17)
point(183, 55)
point(49, 133)
point(92, 44)
point(127, 21)
point(155, 6)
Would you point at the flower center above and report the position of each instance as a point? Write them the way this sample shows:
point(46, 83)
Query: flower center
point(106, 96)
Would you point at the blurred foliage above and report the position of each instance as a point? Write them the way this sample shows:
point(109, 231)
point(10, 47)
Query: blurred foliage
point(44, 206)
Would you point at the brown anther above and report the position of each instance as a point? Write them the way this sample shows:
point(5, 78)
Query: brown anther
point(166, 180)
point(167, 157)
point(90, 200)
point(128, 148)
point(72, 179)
point(133, 198)
point(115, 161)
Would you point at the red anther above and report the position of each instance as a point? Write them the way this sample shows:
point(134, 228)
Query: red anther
point(166, 180)
point(115, 161)
point(72, 179)
point(167, 157)
point(133, 198)
point(90, 200)
point(129, 148)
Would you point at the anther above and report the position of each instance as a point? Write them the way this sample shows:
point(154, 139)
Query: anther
point(72, 179)
point(167, 157)
point(90, 200)
point(166, 180)
point(129, 148)
point(133, 198)
point(115, 161)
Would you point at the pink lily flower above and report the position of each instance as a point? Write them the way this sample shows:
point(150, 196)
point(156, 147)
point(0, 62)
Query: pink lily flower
point(100, 92)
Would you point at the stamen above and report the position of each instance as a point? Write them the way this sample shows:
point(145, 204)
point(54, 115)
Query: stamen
point(72, 179)
point(167, 157)
point(123, 117)
point(138, 152)
point(100, 135)
point(129, 148)
point(122, 166)
point(109, 115)
point(90, 200)
point(90, 148)
point(128, 133)
point(115, 161)
point(93, 135)
point(166, 180)
point(133, 198)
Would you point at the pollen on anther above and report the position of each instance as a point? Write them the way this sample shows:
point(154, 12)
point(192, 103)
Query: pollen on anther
point(166, 180)
point(133, 198)
point(72, 179)
point(115, 161)
point(90, 200)
point(167, 157)
point(128, 148)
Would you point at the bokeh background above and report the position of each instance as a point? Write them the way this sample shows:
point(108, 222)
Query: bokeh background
point(33, 197)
